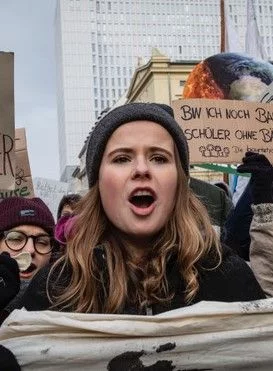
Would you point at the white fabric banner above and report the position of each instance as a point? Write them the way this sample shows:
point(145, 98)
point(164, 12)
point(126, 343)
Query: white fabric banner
point(205, 336)
point(232, 41)
point(253, 41)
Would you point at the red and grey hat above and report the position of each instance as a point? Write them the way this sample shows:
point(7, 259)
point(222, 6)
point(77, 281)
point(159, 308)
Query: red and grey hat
point(15, 211)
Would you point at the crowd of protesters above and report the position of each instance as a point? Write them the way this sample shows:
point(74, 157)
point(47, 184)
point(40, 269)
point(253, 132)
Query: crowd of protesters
point(147, 237)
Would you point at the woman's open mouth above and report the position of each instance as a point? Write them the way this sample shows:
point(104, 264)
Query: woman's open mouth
point(28, 272)
point(142, 201)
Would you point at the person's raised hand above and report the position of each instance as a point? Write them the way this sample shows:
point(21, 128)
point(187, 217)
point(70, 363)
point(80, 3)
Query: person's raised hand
point(256, 164)
point(9, 279)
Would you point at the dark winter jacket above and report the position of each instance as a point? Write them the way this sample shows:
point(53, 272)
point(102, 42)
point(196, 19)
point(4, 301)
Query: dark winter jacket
point(237, 225)
point(214, 199)
point(233, 280)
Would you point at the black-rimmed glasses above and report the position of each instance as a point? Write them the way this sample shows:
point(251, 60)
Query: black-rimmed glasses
point(17, 240)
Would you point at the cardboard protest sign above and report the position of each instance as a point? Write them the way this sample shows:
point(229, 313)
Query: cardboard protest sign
point(50, 191)
point(23, 180)
point(7, 152)
point(204, 336)
point(221, 131)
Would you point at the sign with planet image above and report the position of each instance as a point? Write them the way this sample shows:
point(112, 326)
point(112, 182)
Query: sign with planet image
point(221, 114)
point(229, 76)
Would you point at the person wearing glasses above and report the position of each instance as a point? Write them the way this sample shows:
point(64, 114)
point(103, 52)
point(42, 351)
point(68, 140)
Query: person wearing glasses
point(26, 245)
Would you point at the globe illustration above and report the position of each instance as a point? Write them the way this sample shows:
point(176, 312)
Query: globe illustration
point(229, 76)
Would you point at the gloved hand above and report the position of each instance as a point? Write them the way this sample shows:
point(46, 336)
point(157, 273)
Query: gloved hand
point(9, 279)
point(8, 360)
point(261, 176)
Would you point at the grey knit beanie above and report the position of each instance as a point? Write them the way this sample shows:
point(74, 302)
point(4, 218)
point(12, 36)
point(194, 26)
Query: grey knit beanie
point(158, 113)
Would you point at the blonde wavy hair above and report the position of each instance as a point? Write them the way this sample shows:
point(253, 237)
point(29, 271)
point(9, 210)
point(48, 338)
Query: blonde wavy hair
point(188, 234)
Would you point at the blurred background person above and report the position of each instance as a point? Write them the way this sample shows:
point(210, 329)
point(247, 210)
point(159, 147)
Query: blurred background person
point(67, 204)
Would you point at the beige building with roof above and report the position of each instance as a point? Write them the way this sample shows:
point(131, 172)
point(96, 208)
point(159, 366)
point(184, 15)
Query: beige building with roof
point(160, 80)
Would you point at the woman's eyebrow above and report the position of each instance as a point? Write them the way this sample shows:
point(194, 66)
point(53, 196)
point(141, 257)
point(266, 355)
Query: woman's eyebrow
point(160, 149)
point(27, 234)
point(129, 150)
point(120, 149)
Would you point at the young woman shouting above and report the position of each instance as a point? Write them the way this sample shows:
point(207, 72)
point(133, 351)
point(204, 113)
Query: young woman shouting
point(140, 242)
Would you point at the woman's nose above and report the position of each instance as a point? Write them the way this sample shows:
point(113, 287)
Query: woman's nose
point(29, 246)
point(141, 169)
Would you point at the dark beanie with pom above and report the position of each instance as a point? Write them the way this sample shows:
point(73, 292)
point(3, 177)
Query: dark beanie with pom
point(15, 211)
point(158, 113)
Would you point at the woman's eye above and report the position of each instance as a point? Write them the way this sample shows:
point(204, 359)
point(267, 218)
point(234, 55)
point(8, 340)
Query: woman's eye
point(160, 159)
point(15, 239)
point(43, 241)
point(121, 160)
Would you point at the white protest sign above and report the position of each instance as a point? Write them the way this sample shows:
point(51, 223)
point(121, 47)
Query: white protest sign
point(50, 191)
point(221, 131)
point(7, 151)
point(205, 336)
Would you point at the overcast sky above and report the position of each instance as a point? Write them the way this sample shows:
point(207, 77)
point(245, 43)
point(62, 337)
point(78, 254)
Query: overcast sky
point(27, 29)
